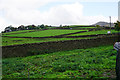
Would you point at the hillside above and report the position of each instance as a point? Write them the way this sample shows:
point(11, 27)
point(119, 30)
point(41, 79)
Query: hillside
point(74, 52)
point(101, 23)
point(98, 62)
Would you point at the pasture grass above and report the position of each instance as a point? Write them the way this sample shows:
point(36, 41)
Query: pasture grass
point(45, 33)
point(20, 31)
point(97, 62)
point(6, 41)
point(94, 32)
point(77, 26)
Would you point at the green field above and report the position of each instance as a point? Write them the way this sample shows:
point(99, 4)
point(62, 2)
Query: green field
point(16, 41)
point(45, 33)
point(77, 26)
point(98, 62)
point(21, 31)
point(94, 32)
point(83, 27)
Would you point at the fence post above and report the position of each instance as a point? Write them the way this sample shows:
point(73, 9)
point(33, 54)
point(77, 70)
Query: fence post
point(117, 47)
point(118, 65)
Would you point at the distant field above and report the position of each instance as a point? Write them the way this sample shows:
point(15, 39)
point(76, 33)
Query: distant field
point(94, 32)
point(77, 25)
point(83, 27)
point(16, 41)
point(45, 33)
point(98, 62)
point(21, 31)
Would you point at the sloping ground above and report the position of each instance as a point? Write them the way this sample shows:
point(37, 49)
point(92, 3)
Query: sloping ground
point(44, 33)
point(94, 63)
point(7, 41)
point(82, 26)
point(11, 39)
point(95, 32)
point(18, 32)
point(101, 23)
point(91, 63)
point(50, 35)
point(53, 46)
point(96, 35)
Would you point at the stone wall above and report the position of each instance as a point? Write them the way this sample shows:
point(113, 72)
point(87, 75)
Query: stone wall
point(48, 47)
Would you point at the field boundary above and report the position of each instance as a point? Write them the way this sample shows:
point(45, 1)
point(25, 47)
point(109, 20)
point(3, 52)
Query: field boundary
point(48, 47)
point(58, 36)
point(65, 35)
point(92, 35)
point(17, 33)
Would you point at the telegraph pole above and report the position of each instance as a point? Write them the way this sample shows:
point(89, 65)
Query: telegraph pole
point(110, 21)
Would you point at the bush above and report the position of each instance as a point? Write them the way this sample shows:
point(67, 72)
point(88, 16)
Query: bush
point(117, 26)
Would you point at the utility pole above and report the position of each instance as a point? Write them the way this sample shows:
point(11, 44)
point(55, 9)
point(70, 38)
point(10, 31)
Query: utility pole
point(110, 21)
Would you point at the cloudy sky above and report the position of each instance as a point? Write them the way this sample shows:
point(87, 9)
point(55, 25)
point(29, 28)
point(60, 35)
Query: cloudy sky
point(56, 12)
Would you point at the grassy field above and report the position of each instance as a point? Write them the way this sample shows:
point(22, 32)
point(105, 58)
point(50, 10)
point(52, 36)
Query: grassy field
point(82, 27)
point(78, 25)
point(94, 32)
point(21, 31)
point(16, 41)
point(98, 62)
point(45, 33)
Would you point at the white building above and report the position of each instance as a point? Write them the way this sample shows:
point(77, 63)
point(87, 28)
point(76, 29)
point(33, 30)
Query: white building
point(8, 29)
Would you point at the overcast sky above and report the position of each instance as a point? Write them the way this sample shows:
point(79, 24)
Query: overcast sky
point(56, 12)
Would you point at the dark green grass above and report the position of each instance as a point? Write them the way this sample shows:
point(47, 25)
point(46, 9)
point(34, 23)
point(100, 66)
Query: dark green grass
point(16, 41)
point(78, 26)
point(83, 27)
point(98, 62)
point(21, 31)
point(44, 33)
point(94, 32)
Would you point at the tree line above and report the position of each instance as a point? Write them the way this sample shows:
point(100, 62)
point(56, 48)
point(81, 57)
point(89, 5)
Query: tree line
point(22, 27)
point(42, 26)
